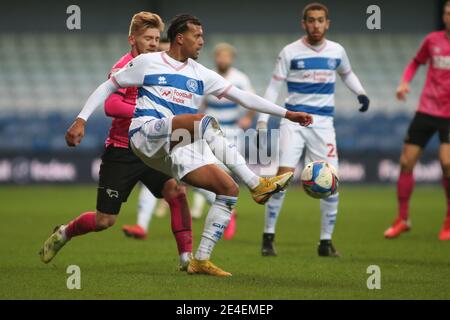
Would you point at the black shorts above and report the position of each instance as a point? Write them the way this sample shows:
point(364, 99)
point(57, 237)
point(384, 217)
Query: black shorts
point(424, 126)
point(120, 171)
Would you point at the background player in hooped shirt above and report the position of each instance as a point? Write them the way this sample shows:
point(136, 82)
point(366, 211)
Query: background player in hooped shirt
point(168, 134)
point(121, 169)
point(308, 66)
point(233, 119)
point(433, 115)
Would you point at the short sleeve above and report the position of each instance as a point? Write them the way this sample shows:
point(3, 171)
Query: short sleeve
point(344, 67)
point(132, 75)
point(215, 84)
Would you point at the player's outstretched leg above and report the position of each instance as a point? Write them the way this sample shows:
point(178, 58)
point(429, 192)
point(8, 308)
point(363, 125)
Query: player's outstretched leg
point(405, 187)
point(261, 188)
point(85, 223)
point(214, 179)
point(205, 127)
point(329, 210)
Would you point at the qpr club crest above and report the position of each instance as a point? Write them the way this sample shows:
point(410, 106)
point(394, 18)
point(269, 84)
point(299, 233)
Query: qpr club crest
point(192, 85)
point(332, 63)
point(159, 124)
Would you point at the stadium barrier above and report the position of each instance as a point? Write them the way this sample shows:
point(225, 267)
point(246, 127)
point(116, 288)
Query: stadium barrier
point(77, 166)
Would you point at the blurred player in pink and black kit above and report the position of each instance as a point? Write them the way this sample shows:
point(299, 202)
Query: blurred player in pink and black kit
point(121, 170)
point(433, 115)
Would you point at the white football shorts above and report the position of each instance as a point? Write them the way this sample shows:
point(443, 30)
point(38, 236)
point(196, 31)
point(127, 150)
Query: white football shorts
point(152, 145)
point(316, 142)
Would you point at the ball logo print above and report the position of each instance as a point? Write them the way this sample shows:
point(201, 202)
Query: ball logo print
point(320, 180)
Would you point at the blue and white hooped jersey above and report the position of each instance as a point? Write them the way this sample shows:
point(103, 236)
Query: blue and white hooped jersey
point(167, 87)
point(225, 111)
point(310, 74)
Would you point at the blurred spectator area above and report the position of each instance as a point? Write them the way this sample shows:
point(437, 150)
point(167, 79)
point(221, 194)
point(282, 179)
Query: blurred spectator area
point(46, 78)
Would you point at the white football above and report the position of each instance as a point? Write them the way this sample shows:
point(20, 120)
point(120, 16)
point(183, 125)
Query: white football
point(320, 179)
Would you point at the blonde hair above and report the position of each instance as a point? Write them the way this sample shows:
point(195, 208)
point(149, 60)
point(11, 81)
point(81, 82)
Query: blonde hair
point(223, 46)
point(145, 20)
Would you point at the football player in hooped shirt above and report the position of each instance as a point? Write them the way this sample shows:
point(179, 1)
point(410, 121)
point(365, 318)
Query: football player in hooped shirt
point(308, 67)
point(169, 135)
point(433, 115)
point(121, 169)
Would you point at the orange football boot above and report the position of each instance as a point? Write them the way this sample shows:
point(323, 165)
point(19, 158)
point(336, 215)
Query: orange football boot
point(399, 226)
point(445, 231)
point(136, 232)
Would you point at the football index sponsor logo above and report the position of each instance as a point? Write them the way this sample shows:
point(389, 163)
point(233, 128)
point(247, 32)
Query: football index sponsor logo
point(166, 93)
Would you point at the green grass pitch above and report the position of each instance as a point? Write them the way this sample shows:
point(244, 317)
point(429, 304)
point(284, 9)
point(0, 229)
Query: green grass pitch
point(415, 266)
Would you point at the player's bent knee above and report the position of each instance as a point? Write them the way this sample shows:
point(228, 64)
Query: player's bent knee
point(231, 189)
point(104, 221)
point(173, 189)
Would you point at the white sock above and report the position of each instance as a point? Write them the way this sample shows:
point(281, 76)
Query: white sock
point(198, 203)
point(329, 209)
point(226, 151)
point(219, 216)
point(146, 205)
point(273, 208)
point(185, 257)
point(63, 232)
